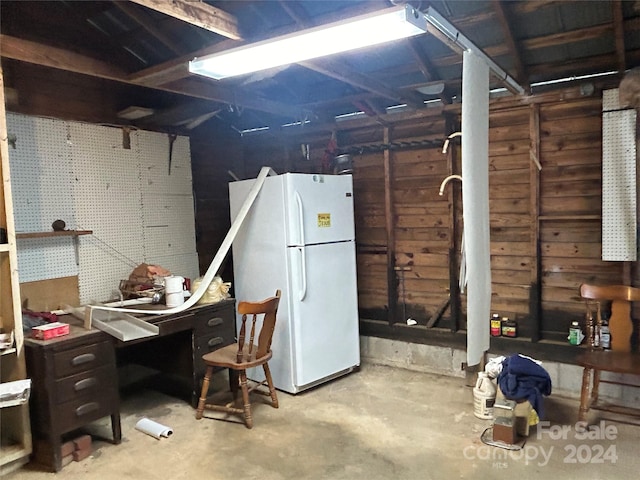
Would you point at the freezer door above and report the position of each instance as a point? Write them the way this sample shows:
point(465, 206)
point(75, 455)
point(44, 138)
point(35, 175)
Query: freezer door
point(319, 208)
point(325, 310)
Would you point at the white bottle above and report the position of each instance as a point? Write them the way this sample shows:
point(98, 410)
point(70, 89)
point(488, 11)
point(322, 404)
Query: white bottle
point(484, 396)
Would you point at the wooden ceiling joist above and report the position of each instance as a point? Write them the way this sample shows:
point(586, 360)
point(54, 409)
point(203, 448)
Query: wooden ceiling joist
point(197, 13)
point(53, 57)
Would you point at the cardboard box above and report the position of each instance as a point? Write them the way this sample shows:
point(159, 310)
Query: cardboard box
point(50, 330)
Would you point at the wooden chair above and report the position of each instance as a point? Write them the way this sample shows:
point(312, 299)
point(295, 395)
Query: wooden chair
point(620, 359)
point(241, 356)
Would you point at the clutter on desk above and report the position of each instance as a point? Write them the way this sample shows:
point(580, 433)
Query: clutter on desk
point(50, 330)
point(144, 281)
point(216, 291)
point(43, 325)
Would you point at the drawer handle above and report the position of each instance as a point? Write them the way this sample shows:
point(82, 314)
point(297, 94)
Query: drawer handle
point(84, 384)
point(214, 322)
point(215, 341)
point(87, 408)
point(84, 358)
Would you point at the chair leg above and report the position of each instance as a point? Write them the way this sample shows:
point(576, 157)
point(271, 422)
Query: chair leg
point(248, 420)
point(584, 394)
point(203, 393)
point(234, 384)
point(272, 390)
point(595, 387)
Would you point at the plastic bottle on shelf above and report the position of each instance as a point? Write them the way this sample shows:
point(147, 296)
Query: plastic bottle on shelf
point(605, 335)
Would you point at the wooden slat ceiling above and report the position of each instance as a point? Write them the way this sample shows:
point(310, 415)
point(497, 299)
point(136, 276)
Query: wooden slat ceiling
point(147, 43)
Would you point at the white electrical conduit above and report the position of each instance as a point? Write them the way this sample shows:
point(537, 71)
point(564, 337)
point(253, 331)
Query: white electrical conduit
point(215, 263)
point(462, 280)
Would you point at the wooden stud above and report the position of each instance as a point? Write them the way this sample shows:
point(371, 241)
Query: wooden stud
point(389, 214)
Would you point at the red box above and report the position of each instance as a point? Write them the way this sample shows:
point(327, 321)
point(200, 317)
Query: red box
point(50, 330)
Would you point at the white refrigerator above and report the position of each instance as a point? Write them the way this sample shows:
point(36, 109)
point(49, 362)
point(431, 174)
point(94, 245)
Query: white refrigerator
point(299, 237)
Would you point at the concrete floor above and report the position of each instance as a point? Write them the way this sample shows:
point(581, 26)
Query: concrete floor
point(376, 423)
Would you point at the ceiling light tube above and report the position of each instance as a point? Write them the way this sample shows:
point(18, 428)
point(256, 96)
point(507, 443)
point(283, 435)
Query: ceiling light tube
point(350, 34)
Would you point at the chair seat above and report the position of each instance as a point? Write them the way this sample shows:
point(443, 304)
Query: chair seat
point(618, 362)
point(227, 357)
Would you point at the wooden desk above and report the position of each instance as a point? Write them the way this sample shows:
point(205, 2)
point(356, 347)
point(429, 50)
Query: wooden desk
point(75, 379)
point(183, 339)
point(74, 382)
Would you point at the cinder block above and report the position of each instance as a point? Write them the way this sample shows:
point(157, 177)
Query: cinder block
point(67, 459)
point(67, 449)
point(81, 454)
point(82, 442)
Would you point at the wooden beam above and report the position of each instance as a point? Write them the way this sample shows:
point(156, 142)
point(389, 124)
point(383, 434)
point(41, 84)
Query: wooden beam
point(389, 215)
point(177, 68)
point(618, 30)
point(199, 14)
point(52, 57)
point(514, 50)
point(535, 292)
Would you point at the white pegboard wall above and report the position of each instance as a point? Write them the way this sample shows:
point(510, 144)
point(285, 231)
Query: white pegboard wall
point(41, 187)
point(82, 174)
point(619, 218)
point(167, 203)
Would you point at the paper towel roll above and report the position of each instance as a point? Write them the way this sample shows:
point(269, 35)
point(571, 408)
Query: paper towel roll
point(152, 428)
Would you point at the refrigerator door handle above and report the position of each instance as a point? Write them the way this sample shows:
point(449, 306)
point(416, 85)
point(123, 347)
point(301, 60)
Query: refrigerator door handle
point(303, 263)
point(300, 216)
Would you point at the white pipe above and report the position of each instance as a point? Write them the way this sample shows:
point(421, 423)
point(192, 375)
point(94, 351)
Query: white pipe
point(447, 180)
point(445, 147)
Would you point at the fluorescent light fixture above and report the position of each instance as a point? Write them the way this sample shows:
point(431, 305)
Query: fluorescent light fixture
point(357, 32)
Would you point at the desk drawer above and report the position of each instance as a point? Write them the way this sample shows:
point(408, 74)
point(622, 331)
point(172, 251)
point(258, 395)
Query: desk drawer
point(76, 413)
point(219, 323)
point(85, 384)
point(204, 345)
point(83, 358)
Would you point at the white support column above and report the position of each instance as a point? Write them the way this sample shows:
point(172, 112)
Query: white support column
point(475, 202)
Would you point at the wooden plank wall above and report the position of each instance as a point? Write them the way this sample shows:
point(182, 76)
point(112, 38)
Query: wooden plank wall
point(570, 211)
point(545, 225)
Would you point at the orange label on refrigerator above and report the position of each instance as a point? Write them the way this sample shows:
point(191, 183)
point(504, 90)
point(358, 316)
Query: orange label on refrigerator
point(324, 220)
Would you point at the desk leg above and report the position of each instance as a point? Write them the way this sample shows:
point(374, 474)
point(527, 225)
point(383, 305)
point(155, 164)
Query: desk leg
point(116, 428)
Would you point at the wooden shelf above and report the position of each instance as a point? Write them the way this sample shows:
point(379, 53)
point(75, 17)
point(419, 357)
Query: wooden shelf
point(7, 351)
point(63, 233)
point(4, 247)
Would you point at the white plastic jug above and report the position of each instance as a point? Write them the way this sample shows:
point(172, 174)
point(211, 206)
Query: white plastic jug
point(173, 291)
point(484, 396)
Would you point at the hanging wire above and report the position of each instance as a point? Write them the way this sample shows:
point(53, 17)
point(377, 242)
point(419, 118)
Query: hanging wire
point(111, 250)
